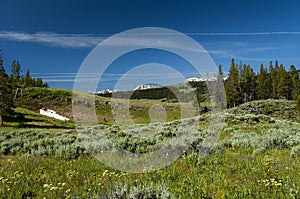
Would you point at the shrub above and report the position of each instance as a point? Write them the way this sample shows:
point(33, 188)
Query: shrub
point(295, 151)
point(146, 190)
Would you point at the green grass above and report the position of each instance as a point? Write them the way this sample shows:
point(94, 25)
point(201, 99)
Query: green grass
point(281, 109)
point(24, 118)
point(61, 101)
point(232, 174)
point(257, 156)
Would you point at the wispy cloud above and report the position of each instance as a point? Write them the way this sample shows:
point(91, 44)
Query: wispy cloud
point(106, 77)
point(242, 33)
point(253, 59)
point(229, 52)
point(54, 39)
point(91, 40)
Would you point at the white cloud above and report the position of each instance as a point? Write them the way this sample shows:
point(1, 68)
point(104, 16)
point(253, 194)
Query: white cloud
point(92, 77)
point(91, 40)
point(254, 59)
point(61, 40)
point(242, 33)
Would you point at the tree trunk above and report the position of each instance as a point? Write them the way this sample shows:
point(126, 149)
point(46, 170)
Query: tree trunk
point(1, 121)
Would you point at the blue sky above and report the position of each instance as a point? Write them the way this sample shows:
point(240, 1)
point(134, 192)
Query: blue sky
point(53, 38)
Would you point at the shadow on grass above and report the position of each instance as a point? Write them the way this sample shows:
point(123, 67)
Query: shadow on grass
point(43, 126)
point(21, 120)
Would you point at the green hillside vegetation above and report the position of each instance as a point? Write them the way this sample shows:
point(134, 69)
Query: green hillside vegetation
point(256, 156)
point(281, 109)
point(274, 82)
point(60, 100)
point(184, 91)
point(34, 98)
point(13, 84)
point(25, 118)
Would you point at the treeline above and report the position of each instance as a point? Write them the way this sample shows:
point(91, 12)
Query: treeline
point(272, 82)
point(20, 81)
point(181, 92)
point(11, 84)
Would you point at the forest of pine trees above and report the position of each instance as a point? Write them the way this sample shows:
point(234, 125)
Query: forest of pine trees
point(11, 84)
point(272, 82)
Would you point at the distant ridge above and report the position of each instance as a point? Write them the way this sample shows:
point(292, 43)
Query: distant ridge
point(146, 86)
point(154, 85)
point(202, 79)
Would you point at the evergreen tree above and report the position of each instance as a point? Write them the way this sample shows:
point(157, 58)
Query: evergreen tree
point(247, 82)
point(15, 75)
point(282, 89)
point(2, 70)
point(262, 86)
point(28, 79)
point(273, 82)
point(220, 71)
point(298, 104)
point(5, 93)
point(232, 87)
point(218, 90)
point(39, 82)
point(294, 82)
point(15, 69)
point(45, 85)
point(240, 68)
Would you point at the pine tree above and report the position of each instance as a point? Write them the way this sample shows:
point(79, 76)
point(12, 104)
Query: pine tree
point(219, 95)
point(39, 82)
point(248, 84)
point(2, 70)
point(5, 93)
point(240, 68)
point(282, 85)
point(28, 79)
point(294, 82)
point(273, 77)
point(220, 71)
point(15, 76)
point(15, 69)
point(298, 104)
point(232, 87)
point(262, 86)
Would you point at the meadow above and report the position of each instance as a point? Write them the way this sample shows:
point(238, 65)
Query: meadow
point(257, 155)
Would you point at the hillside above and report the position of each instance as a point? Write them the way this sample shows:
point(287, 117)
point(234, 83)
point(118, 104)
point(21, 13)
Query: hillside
point(239, 130)
point(36, 98)
point(257, 153)
point(171, 93)
point(61, 101)
point(281, 109)
point(25, 118)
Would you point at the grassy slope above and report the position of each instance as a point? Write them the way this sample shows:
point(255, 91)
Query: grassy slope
point(61, 101)
point(24, 118)
point(238, 171)
point(233, 174)
point(281, 109)
point(57, 99)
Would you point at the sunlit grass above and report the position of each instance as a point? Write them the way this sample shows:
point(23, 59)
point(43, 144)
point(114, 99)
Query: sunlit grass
point(233, 174)
point(257, 156)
